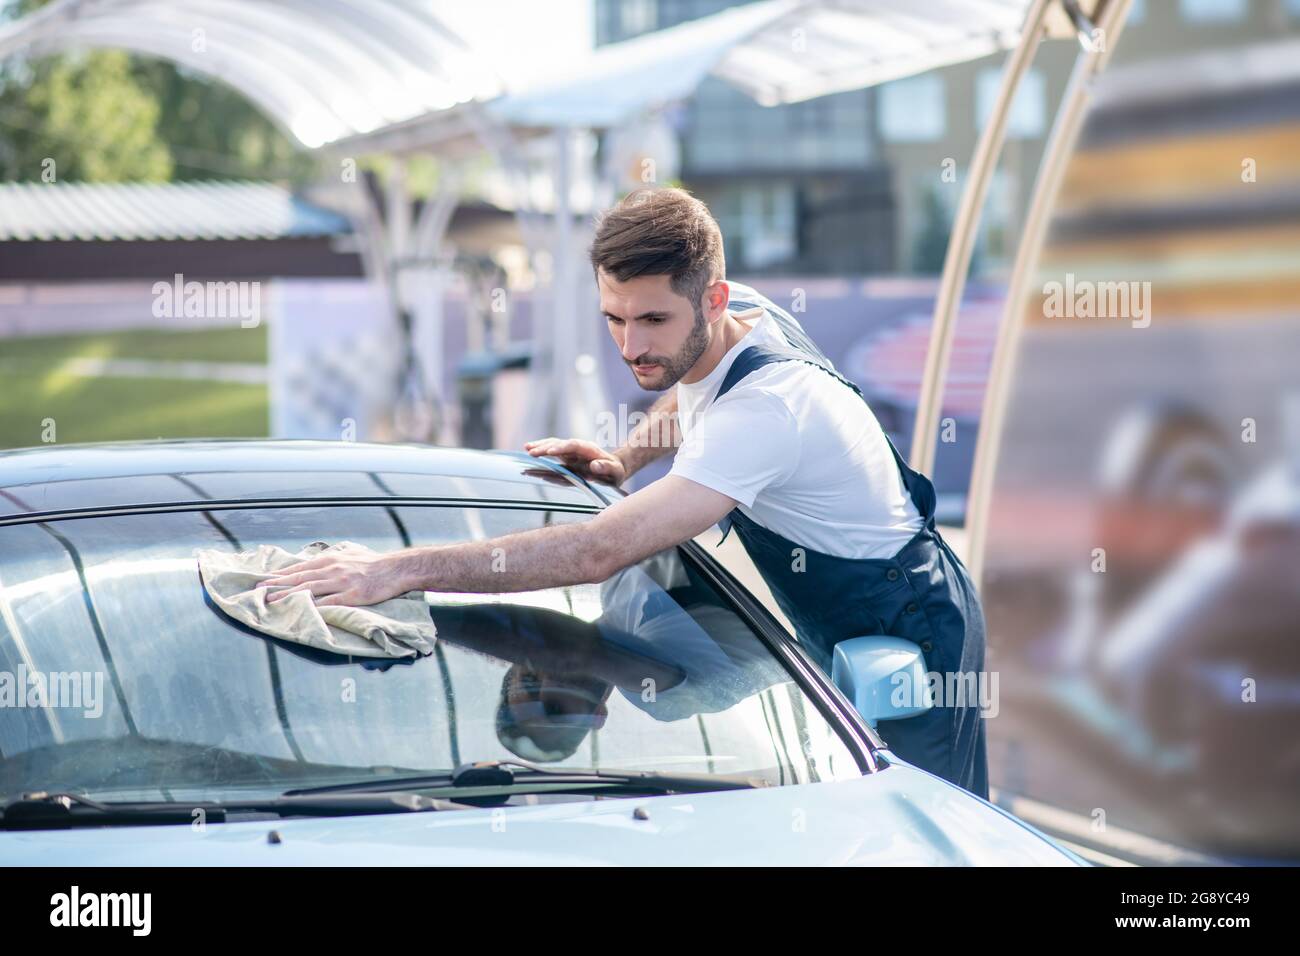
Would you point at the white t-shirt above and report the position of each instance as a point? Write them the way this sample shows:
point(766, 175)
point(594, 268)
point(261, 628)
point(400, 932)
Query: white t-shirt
point(800, 453)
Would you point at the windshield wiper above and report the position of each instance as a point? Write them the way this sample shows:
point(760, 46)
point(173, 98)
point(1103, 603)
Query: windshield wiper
point(55, 811)
point(507, 774)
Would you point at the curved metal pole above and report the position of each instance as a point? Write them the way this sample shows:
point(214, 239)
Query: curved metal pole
point(961, 242)
point(1051, 173)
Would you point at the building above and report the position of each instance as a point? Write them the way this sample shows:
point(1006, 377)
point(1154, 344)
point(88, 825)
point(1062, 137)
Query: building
point(865, 182)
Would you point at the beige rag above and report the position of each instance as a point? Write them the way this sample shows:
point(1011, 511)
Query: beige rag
point(398, 627)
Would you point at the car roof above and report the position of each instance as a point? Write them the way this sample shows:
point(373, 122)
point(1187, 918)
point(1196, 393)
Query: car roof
point(50, 480)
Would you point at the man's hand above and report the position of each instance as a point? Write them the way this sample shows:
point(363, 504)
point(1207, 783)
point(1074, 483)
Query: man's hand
point(581, 457)
point(354, 578)
point(658, 434)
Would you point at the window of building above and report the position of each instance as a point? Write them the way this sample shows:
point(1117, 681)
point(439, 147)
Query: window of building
point(758, 221)
point(637, 17)
point(727, 131)
point(914, 109)
point(1028, 118)
point(1213, 11)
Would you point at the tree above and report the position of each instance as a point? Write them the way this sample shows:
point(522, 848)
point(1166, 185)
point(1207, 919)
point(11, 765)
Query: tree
point(214, 133)
point(84, 118)
point(109, 116)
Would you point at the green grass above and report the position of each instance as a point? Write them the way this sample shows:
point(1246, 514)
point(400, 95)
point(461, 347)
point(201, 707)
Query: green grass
point(207, 345)
point(33, 388)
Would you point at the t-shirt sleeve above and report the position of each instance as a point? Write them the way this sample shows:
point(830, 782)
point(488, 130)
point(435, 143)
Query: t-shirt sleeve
point(742, 443)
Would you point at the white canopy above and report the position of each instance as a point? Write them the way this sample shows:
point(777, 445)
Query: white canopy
point(776, 51)
point(332, 70)
point(322, 69)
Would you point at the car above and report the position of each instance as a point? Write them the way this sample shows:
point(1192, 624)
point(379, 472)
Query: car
point(661, 717)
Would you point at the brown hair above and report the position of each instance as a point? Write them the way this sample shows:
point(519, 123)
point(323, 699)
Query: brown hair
point(661, 231)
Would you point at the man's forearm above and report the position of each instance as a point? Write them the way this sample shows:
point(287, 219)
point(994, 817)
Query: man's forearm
point(557, 556)
point(653, 438)
point(662, 514)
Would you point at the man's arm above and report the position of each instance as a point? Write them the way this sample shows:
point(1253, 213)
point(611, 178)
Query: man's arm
point(663, 514)
point(652, 438)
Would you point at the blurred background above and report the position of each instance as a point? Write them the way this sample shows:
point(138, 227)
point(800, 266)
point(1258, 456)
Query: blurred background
point(368, 220)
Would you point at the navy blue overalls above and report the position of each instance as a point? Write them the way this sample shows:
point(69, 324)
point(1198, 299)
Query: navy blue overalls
point(923, 594)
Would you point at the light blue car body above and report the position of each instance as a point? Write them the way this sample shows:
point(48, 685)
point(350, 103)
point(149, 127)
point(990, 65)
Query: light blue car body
point(899, 816)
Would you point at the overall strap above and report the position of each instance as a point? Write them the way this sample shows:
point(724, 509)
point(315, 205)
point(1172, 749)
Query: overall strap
point(745, 297)
point(752, 359)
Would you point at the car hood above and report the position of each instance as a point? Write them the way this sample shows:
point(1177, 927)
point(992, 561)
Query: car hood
point(899, 816)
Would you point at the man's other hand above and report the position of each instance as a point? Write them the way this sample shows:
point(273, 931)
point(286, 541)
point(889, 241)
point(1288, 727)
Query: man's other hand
point(581, 457)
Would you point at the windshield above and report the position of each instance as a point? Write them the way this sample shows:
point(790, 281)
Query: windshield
point(121, 680)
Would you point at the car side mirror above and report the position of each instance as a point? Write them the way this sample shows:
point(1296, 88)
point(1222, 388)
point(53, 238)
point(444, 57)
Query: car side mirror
point(883, 677)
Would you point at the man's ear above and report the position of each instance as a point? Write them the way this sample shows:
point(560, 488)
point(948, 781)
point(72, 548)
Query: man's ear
point(716, 297)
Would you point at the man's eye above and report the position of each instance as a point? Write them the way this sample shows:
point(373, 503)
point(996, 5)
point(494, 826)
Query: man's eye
point(614, 319)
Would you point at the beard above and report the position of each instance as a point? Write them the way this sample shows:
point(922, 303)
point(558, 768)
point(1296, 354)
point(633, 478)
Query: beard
point(675, 366)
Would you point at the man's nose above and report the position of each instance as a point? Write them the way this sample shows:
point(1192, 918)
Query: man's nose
point(633, 345)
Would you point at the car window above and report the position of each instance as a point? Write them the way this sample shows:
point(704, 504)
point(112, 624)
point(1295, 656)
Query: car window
point(151, 693)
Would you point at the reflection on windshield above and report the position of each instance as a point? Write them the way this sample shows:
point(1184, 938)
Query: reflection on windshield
point(650, 670)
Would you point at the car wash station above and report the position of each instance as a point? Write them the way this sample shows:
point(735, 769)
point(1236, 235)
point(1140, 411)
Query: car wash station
point(355, 310)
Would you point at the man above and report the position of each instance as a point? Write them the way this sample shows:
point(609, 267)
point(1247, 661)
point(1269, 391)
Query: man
point(771, 441)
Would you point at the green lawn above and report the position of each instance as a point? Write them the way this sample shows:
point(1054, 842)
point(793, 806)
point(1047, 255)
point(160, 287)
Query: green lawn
point(34, 387)
point(208, 345)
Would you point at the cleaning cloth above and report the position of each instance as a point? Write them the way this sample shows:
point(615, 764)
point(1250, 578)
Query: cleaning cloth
point(398, 627)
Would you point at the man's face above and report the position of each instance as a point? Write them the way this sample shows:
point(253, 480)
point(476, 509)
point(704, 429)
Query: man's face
point(659, 333)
